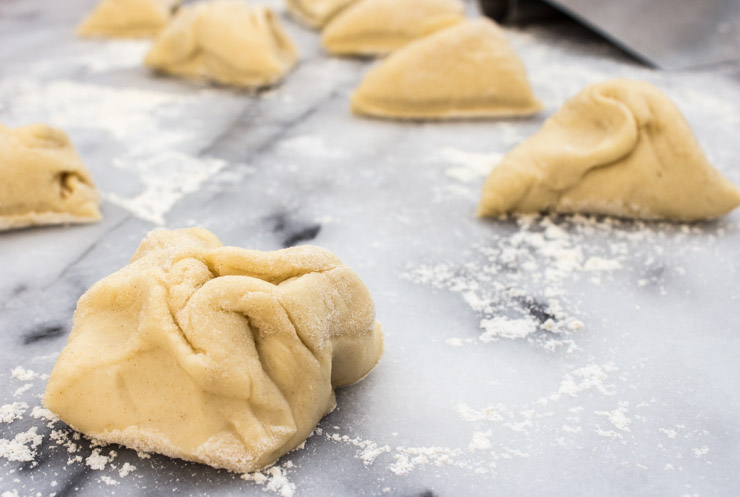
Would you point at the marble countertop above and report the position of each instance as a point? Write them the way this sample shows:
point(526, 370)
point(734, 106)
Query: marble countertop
point(538, 356)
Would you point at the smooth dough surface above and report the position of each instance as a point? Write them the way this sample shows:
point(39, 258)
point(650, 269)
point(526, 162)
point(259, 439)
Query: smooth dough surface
point(128, 18)
point(226, 41)
point(214, 354)
point(378, 27)
point(316, 13)
point(619, 148)
point(467, 70)
point(43, 180)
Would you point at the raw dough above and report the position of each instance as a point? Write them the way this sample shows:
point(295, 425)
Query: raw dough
point(619, 148)
point(128, 18)
point(214, 354)
point(226, 41)
point(378, 27)
point(43, 180)
point(316, 13)
point(467, 70)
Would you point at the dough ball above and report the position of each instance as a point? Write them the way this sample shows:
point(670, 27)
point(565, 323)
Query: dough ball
point(467, 70)
point(214, 354)
point(316, 13)
point(128, 18)
point(378, 27)
point(226, 41)
point(43, 180)
point(618, 148)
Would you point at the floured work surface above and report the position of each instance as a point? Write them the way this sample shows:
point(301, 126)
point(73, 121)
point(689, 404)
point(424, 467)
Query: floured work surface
point(532, 356)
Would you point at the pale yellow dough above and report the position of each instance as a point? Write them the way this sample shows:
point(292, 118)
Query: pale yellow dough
point(467, 70)
point(618, 148)
point(214, 354)
point(226, 41)
point(43, 180)
point(316, 13)
point(128, 18)
point(378, 27)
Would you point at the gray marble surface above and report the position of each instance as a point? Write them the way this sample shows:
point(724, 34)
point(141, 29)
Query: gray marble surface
point(489, 385)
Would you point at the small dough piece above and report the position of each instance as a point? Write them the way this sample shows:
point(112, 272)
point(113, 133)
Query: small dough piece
point(619, 148)
point(467, 70)
point(43, 180)
point(128, 18)
point(214, 354)
point(378, 27)
point(226, 41)
point(316, 13)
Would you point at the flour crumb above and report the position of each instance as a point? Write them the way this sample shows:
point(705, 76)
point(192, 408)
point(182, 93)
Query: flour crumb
point(126, 470)
point(491, 413)
point(96, 461)
point(12, 412)
point(579, 380)
point(617, 417)
point(21, 390)
point(22, 374)
point(22, 447)
point(109, 481)
point(481, 441)
point(274, 479)
point(669, 433)
point(502, 327)
point(700, 451)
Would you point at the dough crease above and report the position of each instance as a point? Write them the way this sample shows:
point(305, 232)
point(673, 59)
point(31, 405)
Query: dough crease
point(43, 180)
point(619, 148)
point(226, 41)
point(214, 354)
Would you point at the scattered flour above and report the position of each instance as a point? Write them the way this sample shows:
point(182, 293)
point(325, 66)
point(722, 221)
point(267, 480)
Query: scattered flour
point(126, 470)
point(22, 374)
point(617, 417)
point(97, 461)
point(700, 451)
point(177, 175)
point(592, 376)
point(109, 481)
point(312, 146)
point(22, 447)
point(12, 412)
point(491, 413)
point(481, 441)
point(274, 480)
point(469, 167)
point(668, 433)
point(501, 327)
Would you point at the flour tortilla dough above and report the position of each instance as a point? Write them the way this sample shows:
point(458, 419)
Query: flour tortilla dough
point(378, 27)
point(467, 70)
point(316, 13)
point(226, 41)
point(128, 18)
point(214, 354)
point(43, 180)
point(618, 148)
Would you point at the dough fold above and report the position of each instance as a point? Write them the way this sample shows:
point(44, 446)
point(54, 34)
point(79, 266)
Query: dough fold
point(618, 148)
point(214, 354)
point(226, 41)
point(464, 71)
point(127, 18)
point(316, 13)
point(43, 180)
point(378, 27)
